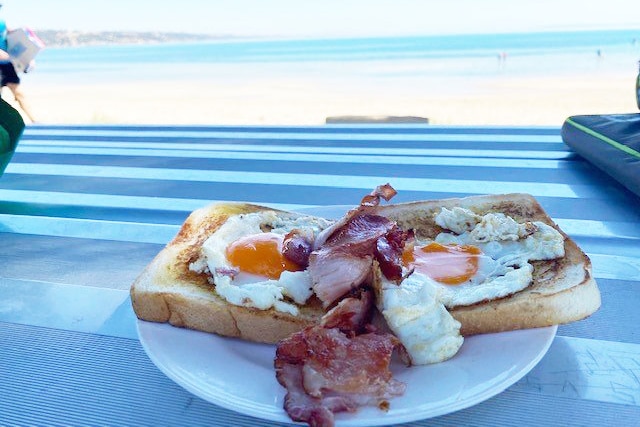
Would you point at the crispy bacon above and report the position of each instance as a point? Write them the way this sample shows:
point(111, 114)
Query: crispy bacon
point(343, 362)
point(367, 205)
point(300, 406)
point(351, 314)
point(327, 371)
point(389, 250)
point(361, 233)
point(334, 273)
point(344, 261)
point(385, 191)
point(297, 248)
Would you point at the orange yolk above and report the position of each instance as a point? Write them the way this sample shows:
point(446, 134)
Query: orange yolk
point(260, 254)
point(451, 265)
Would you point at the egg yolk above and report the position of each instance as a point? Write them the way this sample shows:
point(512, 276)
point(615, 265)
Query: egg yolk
point(450, 264)
point(260, 254)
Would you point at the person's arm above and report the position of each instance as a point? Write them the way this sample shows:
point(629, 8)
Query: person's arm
point(4, 55)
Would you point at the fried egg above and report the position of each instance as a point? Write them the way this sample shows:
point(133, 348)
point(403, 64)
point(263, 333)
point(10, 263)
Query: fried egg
point(479, 258)
point(465, 274)
point(250, 246)
point(482, 258)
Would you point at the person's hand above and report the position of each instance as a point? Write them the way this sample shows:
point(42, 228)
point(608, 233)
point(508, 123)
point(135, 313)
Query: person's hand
point(30, 66)
point(4, 56)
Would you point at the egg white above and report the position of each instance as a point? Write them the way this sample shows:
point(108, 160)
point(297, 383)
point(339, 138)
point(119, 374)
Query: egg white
point(251, 290)
point(414, 312)
point(507, 247)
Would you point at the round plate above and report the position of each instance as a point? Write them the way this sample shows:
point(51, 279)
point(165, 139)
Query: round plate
point(239, 375)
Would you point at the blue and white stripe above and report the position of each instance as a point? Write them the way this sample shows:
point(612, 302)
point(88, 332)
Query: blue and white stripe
point(84, 208)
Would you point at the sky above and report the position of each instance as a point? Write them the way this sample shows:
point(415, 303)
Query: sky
point(321, 18)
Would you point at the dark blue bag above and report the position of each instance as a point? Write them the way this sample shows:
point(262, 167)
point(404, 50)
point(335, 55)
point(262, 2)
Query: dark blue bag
point(610, 142)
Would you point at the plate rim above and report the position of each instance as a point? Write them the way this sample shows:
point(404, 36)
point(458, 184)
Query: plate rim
point(392, 419)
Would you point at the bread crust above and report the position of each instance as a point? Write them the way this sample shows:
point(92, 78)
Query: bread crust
point(563, 290)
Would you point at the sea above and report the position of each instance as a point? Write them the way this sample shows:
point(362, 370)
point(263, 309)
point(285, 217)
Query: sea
point(385, 59)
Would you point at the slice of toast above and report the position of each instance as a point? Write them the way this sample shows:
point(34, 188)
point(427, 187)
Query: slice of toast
point(168, 291)
point(563, 289)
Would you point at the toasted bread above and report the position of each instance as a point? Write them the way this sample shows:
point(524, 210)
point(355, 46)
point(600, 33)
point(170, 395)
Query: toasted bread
point(167, 290)
point(563, 289)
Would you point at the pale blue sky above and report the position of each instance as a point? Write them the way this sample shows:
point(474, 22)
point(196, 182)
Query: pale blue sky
point(322, 18)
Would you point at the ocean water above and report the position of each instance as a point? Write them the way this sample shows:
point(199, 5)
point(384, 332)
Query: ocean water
point(386, 59)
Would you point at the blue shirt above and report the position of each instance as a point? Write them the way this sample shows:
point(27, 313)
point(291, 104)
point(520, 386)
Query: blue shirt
point(3, 35)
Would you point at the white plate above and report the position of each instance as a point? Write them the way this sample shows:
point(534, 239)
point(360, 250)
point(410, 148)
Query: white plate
point(239, 375)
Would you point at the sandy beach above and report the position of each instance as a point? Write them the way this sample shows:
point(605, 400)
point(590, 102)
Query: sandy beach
point(497, 100)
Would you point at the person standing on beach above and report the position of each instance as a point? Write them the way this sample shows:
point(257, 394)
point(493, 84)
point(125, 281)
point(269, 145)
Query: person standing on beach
point(9, 76)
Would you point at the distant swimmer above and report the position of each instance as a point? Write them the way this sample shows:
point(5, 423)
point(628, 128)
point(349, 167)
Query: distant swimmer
point(502, 58)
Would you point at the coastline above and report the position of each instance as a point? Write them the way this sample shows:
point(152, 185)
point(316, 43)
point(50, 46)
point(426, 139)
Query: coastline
point(453, 80)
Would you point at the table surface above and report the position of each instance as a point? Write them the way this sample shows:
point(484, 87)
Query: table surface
point(84, 208)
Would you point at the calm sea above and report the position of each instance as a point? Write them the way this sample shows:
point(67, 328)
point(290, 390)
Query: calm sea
point(388, 57)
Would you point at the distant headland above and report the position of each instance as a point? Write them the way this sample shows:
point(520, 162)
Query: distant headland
point(65, 38)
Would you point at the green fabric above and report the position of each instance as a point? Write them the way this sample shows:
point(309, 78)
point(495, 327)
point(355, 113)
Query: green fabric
point(4, 161)
point(12, 122)
point(11, 127)
point(5, 141)
point(604, 138)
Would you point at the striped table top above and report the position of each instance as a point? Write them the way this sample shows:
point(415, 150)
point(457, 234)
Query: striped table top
point(83, 209)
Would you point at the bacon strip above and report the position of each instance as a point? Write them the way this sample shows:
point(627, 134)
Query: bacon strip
point(345, 260)
point(360, 233)
point(351, 315)
point(334, 274)
point(326, 371)
point(343, 362)
point(385, 191)
point(367, 205)
point(305, 408)
point(389, 250)
point(297, 248)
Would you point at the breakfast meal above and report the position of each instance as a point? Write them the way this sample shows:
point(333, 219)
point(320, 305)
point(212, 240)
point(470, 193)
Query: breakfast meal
point(192, 284)
point(340, 298)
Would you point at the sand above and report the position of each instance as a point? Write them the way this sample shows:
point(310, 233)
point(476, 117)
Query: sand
point(498, 100)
